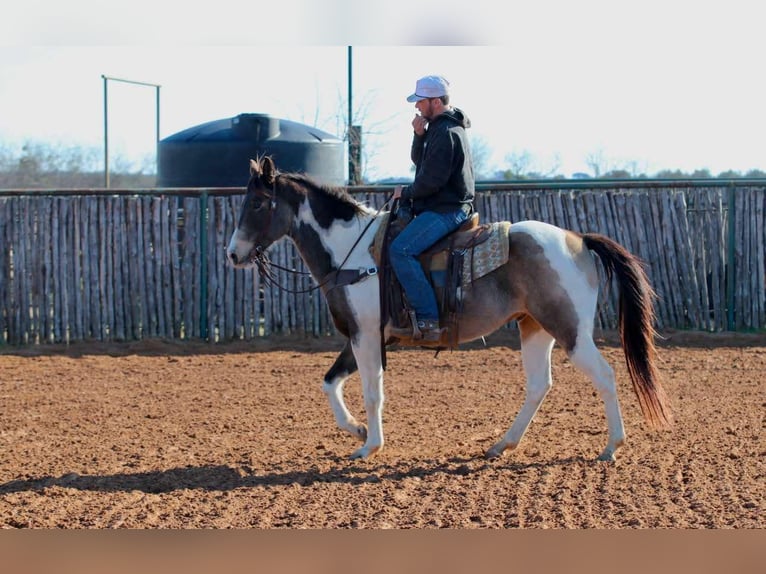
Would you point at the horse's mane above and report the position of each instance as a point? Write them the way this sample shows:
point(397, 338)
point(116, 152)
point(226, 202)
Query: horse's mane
point(301, 183)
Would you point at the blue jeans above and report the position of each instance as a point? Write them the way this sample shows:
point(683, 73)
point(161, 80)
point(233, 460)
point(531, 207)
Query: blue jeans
point(420, 234)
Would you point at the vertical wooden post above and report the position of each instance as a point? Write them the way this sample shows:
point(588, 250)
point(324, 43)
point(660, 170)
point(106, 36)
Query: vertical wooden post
point(730, 257)
point(203, 217)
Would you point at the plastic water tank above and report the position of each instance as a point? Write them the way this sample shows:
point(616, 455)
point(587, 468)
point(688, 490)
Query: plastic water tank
point(218, 153)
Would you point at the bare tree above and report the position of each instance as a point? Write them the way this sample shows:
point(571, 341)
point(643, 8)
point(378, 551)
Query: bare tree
point(518, 164)
point(481, 153)
point(524, 165)
point(38, 165)
point(597, 163)
point(337, 121)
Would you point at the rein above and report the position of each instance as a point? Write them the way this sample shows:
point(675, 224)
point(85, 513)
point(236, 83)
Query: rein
point(349, 276)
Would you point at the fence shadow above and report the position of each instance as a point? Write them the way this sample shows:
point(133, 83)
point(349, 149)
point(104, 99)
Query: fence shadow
point(166, 347)
point(506, 337)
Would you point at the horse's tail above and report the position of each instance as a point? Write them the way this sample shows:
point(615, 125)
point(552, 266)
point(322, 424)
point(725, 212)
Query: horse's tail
point(636, 318)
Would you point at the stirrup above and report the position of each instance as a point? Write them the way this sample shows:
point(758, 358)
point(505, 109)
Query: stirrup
point(411, 331)
point(419, 330)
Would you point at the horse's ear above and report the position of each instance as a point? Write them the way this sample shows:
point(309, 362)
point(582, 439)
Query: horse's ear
point(254, 167)
point(268, 170)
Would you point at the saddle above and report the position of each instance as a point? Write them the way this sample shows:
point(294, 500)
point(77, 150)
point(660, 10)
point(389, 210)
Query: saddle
point(443, 264)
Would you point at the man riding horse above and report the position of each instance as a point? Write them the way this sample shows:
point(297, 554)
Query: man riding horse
point(440, 198)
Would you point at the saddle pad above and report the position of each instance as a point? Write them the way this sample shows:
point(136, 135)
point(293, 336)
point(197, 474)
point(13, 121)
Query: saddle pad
point(489, 255)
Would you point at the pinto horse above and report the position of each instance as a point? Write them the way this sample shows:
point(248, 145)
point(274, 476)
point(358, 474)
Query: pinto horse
point(549, 285)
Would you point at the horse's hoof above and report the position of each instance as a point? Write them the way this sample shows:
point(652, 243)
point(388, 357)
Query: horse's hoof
point(494, 452)
point(607, 456)
point(361, 432)
point(364, 452)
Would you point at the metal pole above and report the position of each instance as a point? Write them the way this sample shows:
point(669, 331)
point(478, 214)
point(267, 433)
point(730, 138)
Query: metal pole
point(157, 132)
point(349, 130)
point(350, 90)
point(106, 122)
point(106, 135)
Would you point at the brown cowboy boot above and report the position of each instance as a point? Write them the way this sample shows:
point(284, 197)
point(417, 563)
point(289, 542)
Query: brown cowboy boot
point(426, 331)
point(429, 331)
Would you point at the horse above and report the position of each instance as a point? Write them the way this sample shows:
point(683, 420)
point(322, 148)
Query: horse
point(549, 286)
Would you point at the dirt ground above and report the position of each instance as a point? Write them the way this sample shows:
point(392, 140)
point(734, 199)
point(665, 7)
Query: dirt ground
point(155, 435)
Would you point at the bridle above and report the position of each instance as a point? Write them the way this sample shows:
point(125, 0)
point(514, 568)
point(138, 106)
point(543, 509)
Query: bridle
point(337, 278)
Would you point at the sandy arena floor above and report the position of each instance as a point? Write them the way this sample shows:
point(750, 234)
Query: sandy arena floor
point(166, 435)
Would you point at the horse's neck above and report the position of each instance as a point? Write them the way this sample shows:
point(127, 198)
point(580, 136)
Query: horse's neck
point(344, 244)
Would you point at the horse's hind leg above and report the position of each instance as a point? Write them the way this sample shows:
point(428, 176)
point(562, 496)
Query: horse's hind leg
point(586, 357)
point(536, 347)
point(343, 367)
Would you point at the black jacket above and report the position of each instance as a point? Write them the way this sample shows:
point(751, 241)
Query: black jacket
point(444, 179)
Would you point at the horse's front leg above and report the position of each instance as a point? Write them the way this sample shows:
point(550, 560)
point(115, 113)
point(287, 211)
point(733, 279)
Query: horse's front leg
point(367, 350)
point(343, 367)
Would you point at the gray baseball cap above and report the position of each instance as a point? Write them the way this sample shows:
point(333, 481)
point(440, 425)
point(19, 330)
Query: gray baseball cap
point(429, 87)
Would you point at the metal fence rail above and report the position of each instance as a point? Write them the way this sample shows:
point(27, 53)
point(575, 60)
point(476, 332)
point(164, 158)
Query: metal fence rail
point(127, 265)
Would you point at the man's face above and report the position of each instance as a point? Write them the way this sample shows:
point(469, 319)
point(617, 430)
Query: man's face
point(425, 107)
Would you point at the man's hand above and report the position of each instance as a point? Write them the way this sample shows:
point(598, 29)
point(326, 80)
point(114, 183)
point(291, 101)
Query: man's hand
point(397, 192)
point(419, 124)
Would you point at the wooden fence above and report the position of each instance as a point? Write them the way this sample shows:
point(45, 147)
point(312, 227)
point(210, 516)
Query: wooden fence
point(128, 265)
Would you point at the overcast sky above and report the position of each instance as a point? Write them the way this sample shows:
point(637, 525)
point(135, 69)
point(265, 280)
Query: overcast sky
point(658, 85)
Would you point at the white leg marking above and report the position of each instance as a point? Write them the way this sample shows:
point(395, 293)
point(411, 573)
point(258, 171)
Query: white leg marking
point(536, 358)
point(368, 359)
point(346, 421)
point(590, 361)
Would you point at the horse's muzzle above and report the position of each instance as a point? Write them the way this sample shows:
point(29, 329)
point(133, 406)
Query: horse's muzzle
point(233, 259)
point(237, 259)
point(239, 252)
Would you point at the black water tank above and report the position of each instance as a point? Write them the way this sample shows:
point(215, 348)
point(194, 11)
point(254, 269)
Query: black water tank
point(218, 153)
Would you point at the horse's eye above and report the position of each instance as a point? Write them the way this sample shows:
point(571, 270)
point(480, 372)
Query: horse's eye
point(256, 202)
